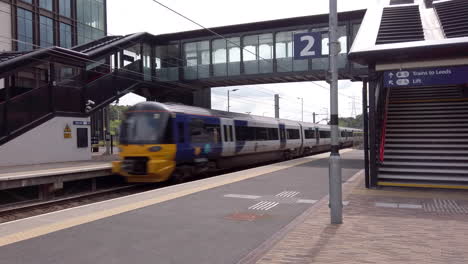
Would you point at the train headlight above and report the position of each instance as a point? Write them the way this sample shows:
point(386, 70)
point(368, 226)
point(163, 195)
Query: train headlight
point(155, 149)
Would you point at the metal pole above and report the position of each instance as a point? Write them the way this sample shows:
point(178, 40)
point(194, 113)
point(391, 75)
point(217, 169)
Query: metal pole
point(302, 107)
point(228, 100)
point(365, 121)
point(336, 204)
point(313, 114)
point(276, 105)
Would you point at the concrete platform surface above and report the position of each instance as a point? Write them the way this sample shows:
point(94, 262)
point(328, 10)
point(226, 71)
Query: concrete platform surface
point(216, 220)
point(39, 170)
point(386, 226)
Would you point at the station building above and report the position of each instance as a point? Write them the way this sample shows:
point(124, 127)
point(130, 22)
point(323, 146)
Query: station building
point(31, 25)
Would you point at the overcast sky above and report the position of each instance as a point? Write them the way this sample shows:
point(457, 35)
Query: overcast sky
point(146, 15)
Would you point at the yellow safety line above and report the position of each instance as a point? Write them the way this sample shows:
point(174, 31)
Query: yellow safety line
point(42, 230)
point(423, 185)
point(431, 100)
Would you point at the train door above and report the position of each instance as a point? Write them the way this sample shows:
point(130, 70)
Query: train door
point(228, 137)
point(180, 127)
point(282, 131)
point(317, 136)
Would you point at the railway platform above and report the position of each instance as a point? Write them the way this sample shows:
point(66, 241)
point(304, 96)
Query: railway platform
point(54, 174)
point(271, 214)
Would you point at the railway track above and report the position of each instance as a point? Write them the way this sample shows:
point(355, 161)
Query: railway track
point(32, 208)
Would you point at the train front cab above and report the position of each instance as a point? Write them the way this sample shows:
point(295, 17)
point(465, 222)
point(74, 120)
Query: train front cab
point(147, 149)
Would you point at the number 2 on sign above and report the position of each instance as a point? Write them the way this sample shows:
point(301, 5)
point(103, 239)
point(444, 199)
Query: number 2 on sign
point(306, 51)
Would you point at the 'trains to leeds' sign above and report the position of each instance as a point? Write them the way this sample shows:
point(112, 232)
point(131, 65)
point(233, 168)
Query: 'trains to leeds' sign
point(426, 77)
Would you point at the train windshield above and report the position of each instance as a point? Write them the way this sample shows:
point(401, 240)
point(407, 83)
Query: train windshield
point(146, 128)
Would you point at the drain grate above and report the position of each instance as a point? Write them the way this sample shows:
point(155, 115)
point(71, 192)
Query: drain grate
point(445, 207)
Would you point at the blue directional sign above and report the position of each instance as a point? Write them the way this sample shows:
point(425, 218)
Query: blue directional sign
point(307, 45)
point(426, 76)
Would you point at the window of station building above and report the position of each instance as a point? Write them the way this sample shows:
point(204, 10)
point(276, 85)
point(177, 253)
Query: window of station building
point(324, 134)
point(167, 62)
point(90, 16)
point(309, 133)
point(24, 30)
point(197, 60)
point(27, 1)
point(234, 56)
point(219, 56)
point(285, 52)
point(46, 29)
point(343, 39)
point(46, 4)
point(293, 133)
point(258, 53)
point(65, 35)
point(200, 132)
point(65, 8)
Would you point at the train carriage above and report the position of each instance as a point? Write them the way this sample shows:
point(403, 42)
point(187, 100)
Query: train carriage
point(159, 142)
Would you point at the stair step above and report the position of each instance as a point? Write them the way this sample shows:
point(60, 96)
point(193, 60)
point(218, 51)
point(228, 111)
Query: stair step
point(419, 177)
point(425, 170)
point(432, 140)
point(410, 126)
point(431, 104)
point(427, 120)
point(422, 88)
point(424, 135)
point(415, 157)
point(394, 145)
point(428, 151)
point(424, 92)
point(428, 108)
point(412, 97)
point(398, 130)
point(428, 112)
point(425, 164)
point(454, 115)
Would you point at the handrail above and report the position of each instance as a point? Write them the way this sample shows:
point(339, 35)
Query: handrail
point(384, 128)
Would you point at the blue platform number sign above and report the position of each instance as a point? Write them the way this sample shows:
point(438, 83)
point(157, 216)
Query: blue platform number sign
point(307, 45)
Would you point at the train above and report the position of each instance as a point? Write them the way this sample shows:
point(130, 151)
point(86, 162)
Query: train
point(172, 142)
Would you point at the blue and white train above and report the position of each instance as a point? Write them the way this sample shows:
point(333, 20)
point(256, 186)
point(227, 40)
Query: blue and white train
point(159, 142)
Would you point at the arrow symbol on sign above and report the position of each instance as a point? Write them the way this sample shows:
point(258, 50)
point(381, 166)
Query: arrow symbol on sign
point(391, 75)
point(390, 82)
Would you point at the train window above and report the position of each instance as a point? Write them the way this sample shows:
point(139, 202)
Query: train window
point(202, 133)
point(231, 135)
point(180, 127)
point(272, 133)
point(309, 133)
point(293, 134)
point(324, 134)
point(261, 133)
point(226, 138)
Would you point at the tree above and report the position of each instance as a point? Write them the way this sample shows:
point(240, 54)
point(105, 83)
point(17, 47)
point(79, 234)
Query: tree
point(351, 122)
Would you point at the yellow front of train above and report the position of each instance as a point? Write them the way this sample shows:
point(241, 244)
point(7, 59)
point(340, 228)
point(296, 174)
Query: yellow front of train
point(147, 151)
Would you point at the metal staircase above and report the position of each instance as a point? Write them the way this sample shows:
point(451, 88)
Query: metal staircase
point(426, 136)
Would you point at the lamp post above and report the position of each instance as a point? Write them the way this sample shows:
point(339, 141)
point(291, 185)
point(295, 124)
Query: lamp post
point(336, 204)
point(302, 108)
point(228, 91)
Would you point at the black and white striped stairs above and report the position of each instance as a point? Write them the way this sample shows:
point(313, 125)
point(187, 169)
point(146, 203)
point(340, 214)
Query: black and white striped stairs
point(426, 136)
